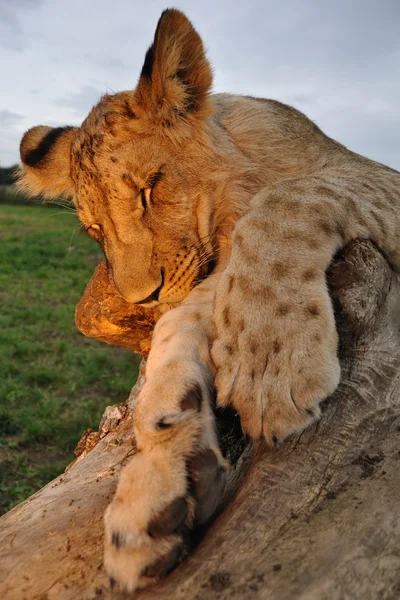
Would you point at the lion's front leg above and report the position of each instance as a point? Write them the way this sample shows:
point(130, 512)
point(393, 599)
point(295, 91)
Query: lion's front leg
point(276, 343)
point(176, 481)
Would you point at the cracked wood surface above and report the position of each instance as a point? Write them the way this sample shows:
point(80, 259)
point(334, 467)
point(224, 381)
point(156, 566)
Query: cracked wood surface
point(317, 519)
point(102, 313)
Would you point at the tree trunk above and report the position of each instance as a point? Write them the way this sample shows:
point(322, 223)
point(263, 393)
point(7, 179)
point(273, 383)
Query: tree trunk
point(316, 519)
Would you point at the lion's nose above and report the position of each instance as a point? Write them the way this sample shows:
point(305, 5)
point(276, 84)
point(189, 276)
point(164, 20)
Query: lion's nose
point(152, 298)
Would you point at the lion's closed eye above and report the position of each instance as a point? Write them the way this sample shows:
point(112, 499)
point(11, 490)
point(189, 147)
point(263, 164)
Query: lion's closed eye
point(145, 197)
point(146, 194)
point(95, 231)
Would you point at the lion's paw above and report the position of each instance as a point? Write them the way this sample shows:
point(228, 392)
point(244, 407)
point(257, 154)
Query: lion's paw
point(276, 359)
point(160, 500)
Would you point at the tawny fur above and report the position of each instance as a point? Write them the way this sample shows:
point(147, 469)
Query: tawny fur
point(246, 196)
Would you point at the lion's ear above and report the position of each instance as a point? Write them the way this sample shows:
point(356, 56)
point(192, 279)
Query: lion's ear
point(45, 156)
point(176, 76)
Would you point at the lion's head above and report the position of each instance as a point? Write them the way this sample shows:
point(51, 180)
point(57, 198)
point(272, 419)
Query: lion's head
point(137, 170)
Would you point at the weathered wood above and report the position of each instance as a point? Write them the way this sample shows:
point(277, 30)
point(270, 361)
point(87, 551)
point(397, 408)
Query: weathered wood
point(102, 313)
point(317, 519)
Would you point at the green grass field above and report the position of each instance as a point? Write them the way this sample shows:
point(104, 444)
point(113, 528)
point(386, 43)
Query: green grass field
point(54, 382)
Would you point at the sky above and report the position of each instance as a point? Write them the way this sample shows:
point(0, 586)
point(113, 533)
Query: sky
point(339, 62)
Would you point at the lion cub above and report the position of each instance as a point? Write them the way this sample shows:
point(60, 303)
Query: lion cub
point(229, 209)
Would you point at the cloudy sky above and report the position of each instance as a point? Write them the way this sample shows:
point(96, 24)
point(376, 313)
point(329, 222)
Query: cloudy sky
point(339, 62)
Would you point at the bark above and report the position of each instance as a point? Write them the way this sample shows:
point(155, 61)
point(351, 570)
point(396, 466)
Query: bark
point(102, 313)
point(317, 519)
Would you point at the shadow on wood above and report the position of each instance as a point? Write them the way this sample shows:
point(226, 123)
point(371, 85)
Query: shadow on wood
point(319, 518)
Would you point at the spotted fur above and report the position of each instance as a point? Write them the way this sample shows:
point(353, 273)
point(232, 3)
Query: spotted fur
point(231, 208)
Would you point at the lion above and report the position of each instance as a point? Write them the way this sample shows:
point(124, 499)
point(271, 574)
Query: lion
point(228, 209)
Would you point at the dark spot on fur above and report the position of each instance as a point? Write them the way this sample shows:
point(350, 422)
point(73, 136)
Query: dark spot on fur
point(341, 231)
point(311, 412)
point(326, 227)
point(277, 371)
point(259, 225)
point(34, 157)
point(276, 347)
point(164, 565)
point(192, 103)
point(246, 249)
point(229, 348)
point(114, 159)
point(310, 275)
point(253, 347)
point(279, 270)
point(275, 440)
point(238, 239)
point(231, 281)
point(112, 583)
point(313, 310)
point(128, 110)
point(226, 316)
point(351, 206)
point(313, 244)
point(253, 374)
point(283, 309)
point(294, 206)
point(169, 519)
point(241, 325)
point(296, 235)
point(161, 424)
point(116, 540)
point(192, 399)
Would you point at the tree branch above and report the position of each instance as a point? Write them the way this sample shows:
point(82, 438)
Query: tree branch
point(319, 518)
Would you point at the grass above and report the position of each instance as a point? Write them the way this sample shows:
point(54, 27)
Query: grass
point(54, 382)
